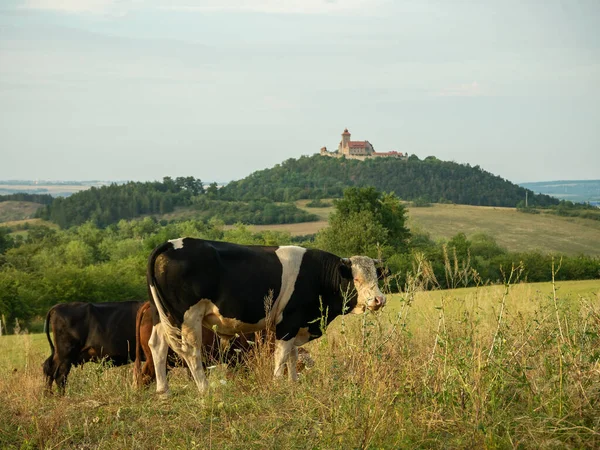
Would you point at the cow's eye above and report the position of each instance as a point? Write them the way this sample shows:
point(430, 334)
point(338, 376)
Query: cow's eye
point(356, 279)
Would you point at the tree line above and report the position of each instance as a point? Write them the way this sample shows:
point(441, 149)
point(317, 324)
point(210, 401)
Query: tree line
point(44, 199)
point(108, 205)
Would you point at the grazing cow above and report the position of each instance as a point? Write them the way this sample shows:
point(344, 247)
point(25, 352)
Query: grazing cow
point(241, 289)
point(214, 349)
point(88, 332)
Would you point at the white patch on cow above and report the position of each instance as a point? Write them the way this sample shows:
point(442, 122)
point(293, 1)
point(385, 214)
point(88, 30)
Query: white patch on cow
point(171, 333)
point(177, 243)
point(286, 353)
point(191, 343)
point(159, 348)
point(187, 341)
point(291, 259)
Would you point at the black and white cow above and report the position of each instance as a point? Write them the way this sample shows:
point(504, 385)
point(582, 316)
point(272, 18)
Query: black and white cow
point(228, 287)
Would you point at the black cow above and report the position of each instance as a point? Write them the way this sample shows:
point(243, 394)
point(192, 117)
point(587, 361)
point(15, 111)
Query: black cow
point(87, 332)
point(239, 289)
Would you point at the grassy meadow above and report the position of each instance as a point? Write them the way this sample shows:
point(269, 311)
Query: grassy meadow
point(514, 366)
point(513, 230)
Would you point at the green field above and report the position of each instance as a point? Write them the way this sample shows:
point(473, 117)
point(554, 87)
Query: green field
point(492, 367)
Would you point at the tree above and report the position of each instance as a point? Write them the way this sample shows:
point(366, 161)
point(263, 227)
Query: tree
point(213, 190)
point(365, 222)
point(6, 241)
point(355, 234)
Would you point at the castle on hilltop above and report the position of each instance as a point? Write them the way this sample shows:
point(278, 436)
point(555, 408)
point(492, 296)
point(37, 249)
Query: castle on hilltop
point(359, 150)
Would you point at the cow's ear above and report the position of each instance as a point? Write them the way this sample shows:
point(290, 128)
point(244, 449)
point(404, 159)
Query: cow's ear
point(346, 268)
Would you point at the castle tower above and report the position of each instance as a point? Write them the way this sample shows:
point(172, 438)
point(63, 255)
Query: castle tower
point(345, 138)
point(344, 144)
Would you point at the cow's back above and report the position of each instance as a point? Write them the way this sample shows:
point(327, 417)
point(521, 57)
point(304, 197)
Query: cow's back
point(96, 330)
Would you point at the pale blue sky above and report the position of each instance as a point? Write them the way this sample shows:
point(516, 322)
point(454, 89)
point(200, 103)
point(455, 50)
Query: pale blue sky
point(134, 89)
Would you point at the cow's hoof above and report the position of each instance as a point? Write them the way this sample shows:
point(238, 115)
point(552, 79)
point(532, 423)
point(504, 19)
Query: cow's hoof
point(164, 394)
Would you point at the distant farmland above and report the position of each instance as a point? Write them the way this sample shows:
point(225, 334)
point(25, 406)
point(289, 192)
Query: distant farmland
point(513, 230)
point(52, 189)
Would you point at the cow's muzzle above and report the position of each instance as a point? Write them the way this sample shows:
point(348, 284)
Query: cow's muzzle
point(376, 303)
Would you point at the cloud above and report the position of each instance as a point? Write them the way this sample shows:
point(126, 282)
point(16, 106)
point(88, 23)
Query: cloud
point(74, 6)
point(473, 89)
point(120, 7)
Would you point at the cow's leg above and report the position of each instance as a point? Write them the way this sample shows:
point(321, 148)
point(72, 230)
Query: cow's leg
point(61, 374)
point(49, 372)
point(159, 348)
point(283, 349)
point(292, 363)
point(191, 336)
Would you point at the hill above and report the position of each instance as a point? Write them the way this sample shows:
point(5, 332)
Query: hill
point(430, 179)
point(257, 198)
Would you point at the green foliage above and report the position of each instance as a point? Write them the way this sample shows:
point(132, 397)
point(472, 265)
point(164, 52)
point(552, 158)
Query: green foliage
point(255, 212)
point(356, 233)
point(365, 222)
point(88, 263)
point(318, 203)
point(6, 241)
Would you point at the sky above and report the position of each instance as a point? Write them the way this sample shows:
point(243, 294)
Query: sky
point(139, 90)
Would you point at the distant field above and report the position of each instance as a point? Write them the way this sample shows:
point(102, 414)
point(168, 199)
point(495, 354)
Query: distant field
point(574, 190)
point(513, 230)
point(16, 210)
point(52, 189)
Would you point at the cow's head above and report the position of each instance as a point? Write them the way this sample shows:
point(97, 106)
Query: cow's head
point(362, 270)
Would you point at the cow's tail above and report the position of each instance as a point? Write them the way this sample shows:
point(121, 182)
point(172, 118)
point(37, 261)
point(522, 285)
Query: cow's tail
point(48, 365)
point(137, 365)
point(47, 331)
point(171, 331)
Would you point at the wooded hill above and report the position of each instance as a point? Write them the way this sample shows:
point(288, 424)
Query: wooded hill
point(108, 205)
point(430, 179)
point(257, 197)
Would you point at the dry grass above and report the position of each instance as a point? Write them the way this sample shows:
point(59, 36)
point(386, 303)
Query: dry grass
point(494, 367)
point(17, 211)
point(513, 230)
point(295, 229)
